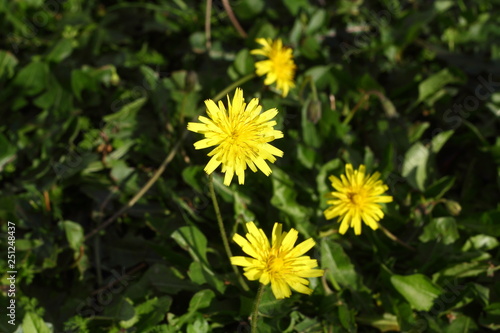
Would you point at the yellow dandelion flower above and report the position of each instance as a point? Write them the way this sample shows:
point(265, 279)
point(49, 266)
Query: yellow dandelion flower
point(356, 199)
point(241, 134)
point(279, 68)
point(279, 263)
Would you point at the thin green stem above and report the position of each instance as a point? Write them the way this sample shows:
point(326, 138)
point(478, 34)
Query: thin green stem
point(394, 238)
point(223, 234)
point(233, 85)
point(358, 105)
point(255, 310)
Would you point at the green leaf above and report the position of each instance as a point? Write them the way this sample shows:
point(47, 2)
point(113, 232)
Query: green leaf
point(435, 83)
point(244, 63)
point(339, 269)
point(34, 323)
point(152, 312)
point(61, 50)
point(33, 78)
point(121, 309)
point(443, 229)
point(417, 289)
point(385, 323)
point(246, 9)
point(317, 21)
point(192, 240)
point(295, 5)
point(481, 243)
point(200, 275)
point(8, 63)
point(416, 131)
point(81, 80)
point(74, 234)
point(439, 140)
point(201, 300)
point(7, 151)
point(306, 156)
point(461, 324)
point(127, 112)
point(465, 269)
point(415, 165)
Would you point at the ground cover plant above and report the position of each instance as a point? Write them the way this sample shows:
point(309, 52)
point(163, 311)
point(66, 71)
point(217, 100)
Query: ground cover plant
point(249, 166)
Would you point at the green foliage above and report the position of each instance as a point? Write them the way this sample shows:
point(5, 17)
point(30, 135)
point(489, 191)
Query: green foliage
point(95, 94)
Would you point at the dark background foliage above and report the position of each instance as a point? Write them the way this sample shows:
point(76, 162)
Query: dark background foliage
point(95, 94)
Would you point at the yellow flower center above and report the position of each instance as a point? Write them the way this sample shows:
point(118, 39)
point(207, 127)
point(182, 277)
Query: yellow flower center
point(275, 263)
point(356, 198)
point(281, 65)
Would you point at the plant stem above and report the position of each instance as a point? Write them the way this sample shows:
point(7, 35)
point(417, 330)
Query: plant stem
point(363, 99)
point(223, 232)
point(208, 17)
point(394, 238)
point(233, 85)
point(255, 310)
point(233, 18)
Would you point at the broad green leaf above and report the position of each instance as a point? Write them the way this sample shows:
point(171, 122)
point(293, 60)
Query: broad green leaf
point(417, 289)
point(7, 151)
point(439, 140)
point(465, 269)
point(200, 275)
point(121, 309)
point(415, 165)
point(8, 63)
point(306, 156)
point(385, 323)
point(295, 5)
point(34, 323)
point(491, 319)
point(461, 324)
point(33, 78)
point(435, 83)
point(200, 325)
point(246, 9)
point(127, 112)
point(317, 21)
point(416, 131)
point(152, 312)
point(161, 279)
point(339, 269)
point(347, 317)
point(442, 229)
point(192, 240)
point(81, 80)
point(195, 177)
point(61, 50)
point(243, 63)
point(74, 234)
point(480, 242)
point(201, 300)
point(270, 306)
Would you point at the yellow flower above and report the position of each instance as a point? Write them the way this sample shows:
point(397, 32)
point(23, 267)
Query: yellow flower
point(241, 134)
point(281, 264)
point(279, 68)
point(356, 199)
